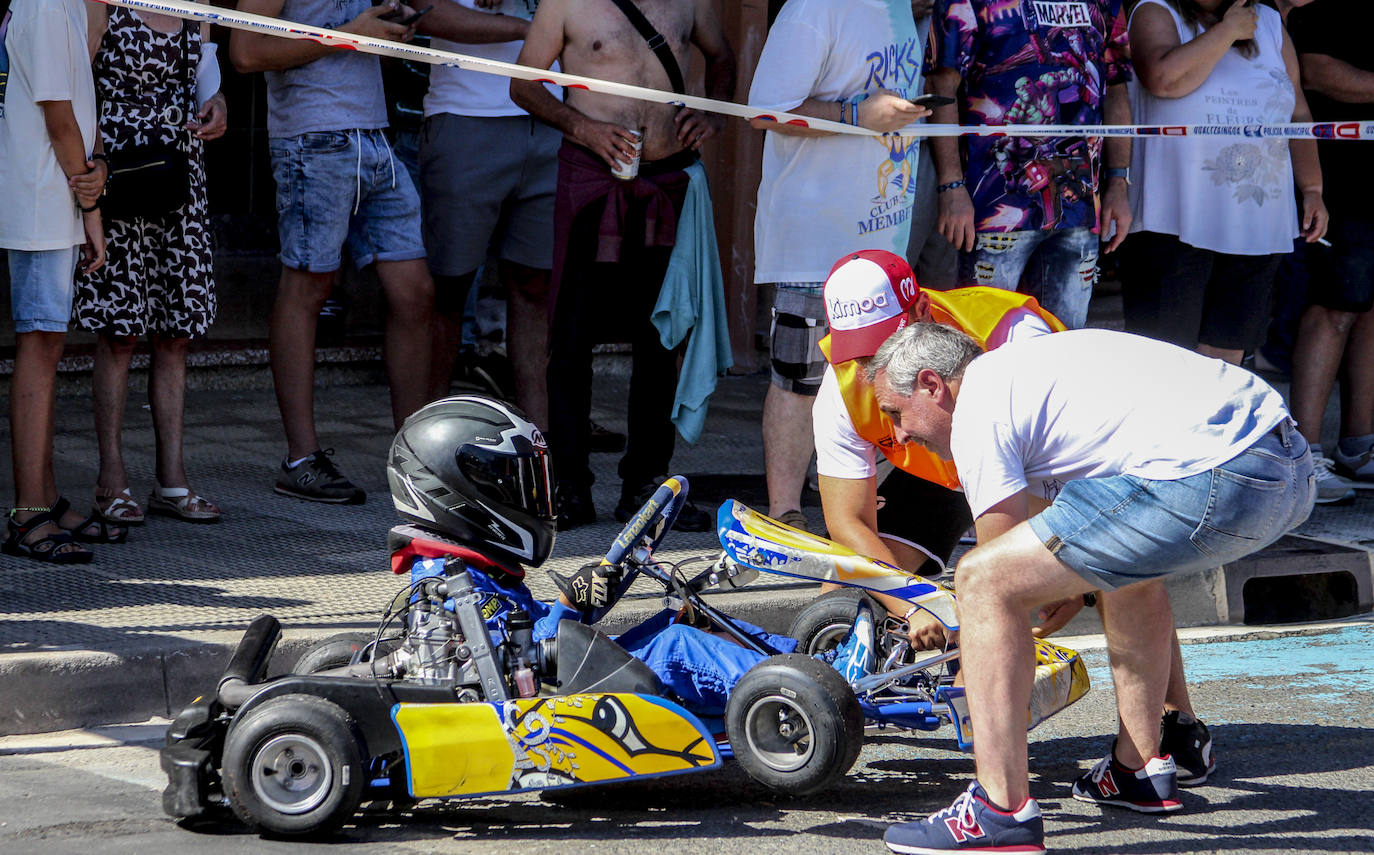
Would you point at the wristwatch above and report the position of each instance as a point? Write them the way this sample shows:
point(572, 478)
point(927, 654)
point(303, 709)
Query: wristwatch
point(1122, 172)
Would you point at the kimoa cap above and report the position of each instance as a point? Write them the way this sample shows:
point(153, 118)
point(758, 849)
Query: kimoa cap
point(867, 295)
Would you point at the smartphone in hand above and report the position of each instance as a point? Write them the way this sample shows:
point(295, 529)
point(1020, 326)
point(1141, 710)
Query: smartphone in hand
point(932, 101)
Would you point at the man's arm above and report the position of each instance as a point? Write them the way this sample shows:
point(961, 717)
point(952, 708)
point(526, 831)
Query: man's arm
point(67, 143)
point(955, 220)
point(1307, 169)
point(695, 127)
point(1337, 79)
point(1116, 207)
point(544, 44)
point(251, 52)
point(469, 26)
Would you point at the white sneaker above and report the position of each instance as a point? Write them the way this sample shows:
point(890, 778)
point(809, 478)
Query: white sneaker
point(1357, 466)
point(1332, 489)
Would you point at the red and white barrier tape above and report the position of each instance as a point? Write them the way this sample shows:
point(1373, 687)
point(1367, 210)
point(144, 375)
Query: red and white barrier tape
point(1361, 130)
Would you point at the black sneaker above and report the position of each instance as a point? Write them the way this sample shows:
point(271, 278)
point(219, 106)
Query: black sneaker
point(1153, 789)
point(603, 440)
point(574, 507)
point(317, 479)
point(1191, 747)
point(689, 518)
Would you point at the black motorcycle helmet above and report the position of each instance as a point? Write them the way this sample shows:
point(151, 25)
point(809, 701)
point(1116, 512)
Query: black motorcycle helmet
point(476, 470)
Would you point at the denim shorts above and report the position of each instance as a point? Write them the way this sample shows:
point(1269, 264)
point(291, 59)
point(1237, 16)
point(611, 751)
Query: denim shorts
point(1058, 267)
point(41, 286)
point(337, 187)
point(1123, 529)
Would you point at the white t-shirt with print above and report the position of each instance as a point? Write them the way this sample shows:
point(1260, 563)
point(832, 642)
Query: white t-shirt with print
point(1039, 413)
point(463, 92)
point(46, 43)
point(821, 197)
point(841, 452)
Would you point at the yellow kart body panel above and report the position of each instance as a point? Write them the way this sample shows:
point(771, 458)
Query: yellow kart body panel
point(540, 743)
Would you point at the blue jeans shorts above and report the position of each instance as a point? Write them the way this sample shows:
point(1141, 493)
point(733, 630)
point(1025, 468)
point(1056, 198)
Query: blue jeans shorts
point(1058, 267)
point(41, 286)
point(337, 187)
point(1123, 529)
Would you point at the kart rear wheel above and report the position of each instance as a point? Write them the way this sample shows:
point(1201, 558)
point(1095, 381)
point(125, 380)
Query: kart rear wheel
point(794, 724)
point(336, 651)
point(826, 620)
point(294, 766)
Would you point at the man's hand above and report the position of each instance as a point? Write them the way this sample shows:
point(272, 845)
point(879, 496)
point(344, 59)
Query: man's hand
point(924, 632)
point(93, 250)
point(610, 141)
point(1240, 21)
point(955, 221)
point(1116, 211)
point(695, 127)
point(88, 186)
point(885, 111)
point(921, 8)
point(370, 24)
point(1315, 219)
point(1054, 616)
point(212, 119)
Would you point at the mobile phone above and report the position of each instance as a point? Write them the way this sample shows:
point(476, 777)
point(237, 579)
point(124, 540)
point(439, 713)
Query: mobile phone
point(408, 21)
point(932, 100)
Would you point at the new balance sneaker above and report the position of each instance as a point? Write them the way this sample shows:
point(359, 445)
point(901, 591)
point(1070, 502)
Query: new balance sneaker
point(1190, 744)
point(1359, 466)
point(855, 657)
point(1153, 789)
point(971, 824)
point(1332, 489)
point(317, 479)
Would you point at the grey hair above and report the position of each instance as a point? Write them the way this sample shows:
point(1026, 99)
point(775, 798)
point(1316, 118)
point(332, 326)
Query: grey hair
point(944, 350)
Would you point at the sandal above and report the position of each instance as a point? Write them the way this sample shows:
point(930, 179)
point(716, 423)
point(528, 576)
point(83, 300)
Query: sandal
point(93, 529)
point(182, 503)
point(44, 548)
point(117, 506)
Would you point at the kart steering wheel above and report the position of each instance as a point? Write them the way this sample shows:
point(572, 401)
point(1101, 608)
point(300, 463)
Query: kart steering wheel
point(647, 528)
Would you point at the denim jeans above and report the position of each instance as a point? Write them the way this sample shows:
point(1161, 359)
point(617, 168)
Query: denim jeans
point(337, 187)
point(1122, 529)
point(41, 287)
point(1058, 267)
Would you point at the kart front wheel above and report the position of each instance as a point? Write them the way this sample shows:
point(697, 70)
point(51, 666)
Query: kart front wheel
point(294, 766)
point(794, 724)
point(826, 620)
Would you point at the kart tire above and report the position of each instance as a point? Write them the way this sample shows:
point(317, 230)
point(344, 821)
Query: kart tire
point(794, 724)
point(826, 620)
point(294, 766)
point(337, 651)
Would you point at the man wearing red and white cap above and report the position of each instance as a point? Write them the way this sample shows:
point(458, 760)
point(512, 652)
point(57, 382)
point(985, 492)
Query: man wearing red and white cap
point(915, 518)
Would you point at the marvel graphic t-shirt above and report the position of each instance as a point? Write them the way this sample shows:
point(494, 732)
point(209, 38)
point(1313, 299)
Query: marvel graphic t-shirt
point(1033, 62)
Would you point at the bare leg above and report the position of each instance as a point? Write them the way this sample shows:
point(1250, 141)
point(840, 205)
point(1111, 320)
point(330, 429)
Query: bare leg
point(450, 299)
point(167, 399)
point(527, 337)
point(999, 583)
point(1176, 695)
point(291, 341)
point(787, 447)
point(409, 318)
point(1357, 386)
point(109, 391)
point(1322, 335)
point(1138, 621)
point(1226, 354)
point(33, 415)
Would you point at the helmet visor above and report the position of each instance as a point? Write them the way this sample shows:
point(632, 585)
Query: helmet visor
point(523, 480)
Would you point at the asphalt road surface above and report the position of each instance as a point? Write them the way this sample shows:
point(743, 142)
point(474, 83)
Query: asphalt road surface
point(1291, 716)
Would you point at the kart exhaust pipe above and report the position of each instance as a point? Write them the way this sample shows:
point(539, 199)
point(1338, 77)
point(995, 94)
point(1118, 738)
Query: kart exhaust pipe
point(249, 663)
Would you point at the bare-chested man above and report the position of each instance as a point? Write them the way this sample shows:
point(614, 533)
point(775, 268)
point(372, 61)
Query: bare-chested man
point(613, 237)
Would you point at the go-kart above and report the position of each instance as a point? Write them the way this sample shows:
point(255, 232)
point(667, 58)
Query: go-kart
point(435, 704)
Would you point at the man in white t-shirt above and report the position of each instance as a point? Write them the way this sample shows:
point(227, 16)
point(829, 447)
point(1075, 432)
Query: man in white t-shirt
point(52, 173)
point(822, 194)
point(487, 175)
point(1149, 460)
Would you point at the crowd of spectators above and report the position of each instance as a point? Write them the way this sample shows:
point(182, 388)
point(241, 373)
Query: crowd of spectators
point(529, 178)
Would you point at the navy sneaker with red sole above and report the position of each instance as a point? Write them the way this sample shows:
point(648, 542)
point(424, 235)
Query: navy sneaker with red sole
point(971, 824)
point(1152, 789)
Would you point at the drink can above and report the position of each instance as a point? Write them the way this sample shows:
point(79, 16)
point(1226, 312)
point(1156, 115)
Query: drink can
point(627, 171)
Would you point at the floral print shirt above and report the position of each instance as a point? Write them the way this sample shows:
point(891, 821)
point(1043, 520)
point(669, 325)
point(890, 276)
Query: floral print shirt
point(1031, 62)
